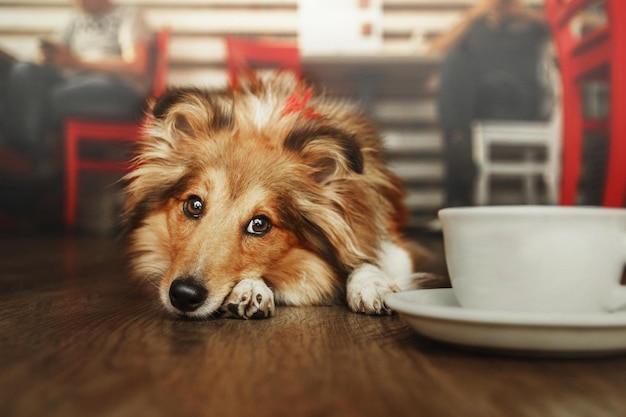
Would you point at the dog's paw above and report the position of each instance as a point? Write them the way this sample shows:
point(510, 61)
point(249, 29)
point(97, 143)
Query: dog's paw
point(250, 299)
point(366, 290)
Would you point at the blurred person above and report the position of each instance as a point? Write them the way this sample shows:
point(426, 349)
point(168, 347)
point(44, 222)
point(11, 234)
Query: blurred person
point(491, 69)
point(94, 66)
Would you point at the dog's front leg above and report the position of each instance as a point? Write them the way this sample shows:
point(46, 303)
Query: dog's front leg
point(250, 299)
point(367, 287)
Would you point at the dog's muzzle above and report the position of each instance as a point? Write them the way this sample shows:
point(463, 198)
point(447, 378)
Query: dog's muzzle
point(187, 294)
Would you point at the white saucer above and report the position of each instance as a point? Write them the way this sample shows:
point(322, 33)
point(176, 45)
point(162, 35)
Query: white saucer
point(436, 314)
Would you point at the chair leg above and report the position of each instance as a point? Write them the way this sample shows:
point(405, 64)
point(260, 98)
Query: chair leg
point(480, 154)
point(551, 188)
point(482, 188)
point(530, 189)
point(572, 140)
point(71, 172)
point(615, 188)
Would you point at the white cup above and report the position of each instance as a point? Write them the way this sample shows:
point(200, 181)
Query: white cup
point(536, 258)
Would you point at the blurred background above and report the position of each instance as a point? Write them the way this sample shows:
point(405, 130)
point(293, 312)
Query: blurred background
point(375, 52)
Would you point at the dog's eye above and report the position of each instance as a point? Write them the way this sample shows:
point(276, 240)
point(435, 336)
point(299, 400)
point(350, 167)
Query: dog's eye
point(193, 206)
point(259, 225)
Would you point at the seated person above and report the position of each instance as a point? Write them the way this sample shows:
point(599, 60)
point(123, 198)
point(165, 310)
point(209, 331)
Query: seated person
point(96, 66)
point(490, 70)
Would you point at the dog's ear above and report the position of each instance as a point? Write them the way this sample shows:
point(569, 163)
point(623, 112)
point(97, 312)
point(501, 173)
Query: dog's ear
point(191, 112)
point(330, 151)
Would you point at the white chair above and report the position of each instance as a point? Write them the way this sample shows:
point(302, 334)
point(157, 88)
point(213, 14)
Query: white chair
point(530, 137)
point(527, 140)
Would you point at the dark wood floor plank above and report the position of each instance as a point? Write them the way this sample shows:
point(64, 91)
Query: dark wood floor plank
point(76, 339)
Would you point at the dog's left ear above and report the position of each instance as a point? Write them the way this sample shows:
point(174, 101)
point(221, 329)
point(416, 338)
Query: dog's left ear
point(330, 151)
point(191, 112)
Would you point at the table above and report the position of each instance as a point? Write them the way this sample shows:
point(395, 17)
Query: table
point(77, 340)
point(370, 77)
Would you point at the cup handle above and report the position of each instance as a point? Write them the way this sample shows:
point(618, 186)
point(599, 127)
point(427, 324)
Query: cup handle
point(617, 297)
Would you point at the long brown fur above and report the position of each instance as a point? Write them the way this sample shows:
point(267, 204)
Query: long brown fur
point(316, 170)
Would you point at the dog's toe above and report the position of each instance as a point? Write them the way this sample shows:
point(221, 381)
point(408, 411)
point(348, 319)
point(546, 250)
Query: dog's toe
point(250, 299)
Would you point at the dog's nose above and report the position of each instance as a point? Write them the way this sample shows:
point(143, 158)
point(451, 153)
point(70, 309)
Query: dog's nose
point(187, 294)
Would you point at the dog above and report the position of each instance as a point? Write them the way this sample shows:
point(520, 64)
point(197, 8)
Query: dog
point(268, 194)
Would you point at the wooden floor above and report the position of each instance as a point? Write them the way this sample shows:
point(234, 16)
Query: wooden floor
point(77, 340)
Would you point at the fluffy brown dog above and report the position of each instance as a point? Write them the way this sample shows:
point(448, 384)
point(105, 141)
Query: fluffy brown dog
point(267, 194)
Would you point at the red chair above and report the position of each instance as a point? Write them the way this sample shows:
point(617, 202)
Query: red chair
point(244, 55)
point(115, 131)
point(599, 54)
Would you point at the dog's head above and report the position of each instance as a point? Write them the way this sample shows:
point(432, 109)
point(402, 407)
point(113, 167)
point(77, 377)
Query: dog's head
point(227, 183)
